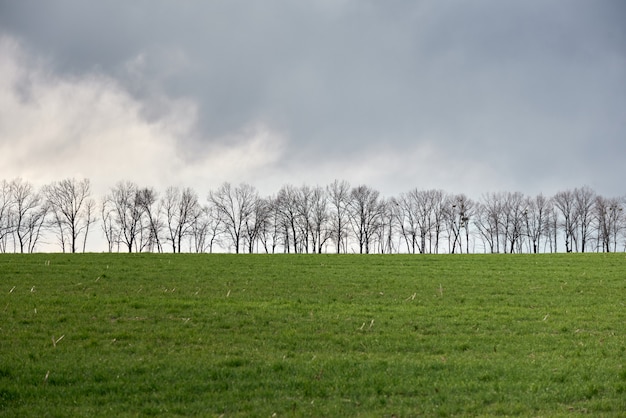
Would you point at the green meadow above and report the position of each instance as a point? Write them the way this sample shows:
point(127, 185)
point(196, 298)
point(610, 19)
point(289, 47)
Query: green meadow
point(312, 335)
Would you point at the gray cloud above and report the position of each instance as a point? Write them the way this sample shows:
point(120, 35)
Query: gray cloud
point(466, 96)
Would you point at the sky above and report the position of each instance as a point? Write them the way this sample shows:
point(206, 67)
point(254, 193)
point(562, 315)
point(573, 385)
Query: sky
point(466, 96)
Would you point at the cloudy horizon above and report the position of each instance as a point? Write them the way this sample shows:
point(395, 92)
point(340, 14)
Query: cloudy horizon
point(468, 97)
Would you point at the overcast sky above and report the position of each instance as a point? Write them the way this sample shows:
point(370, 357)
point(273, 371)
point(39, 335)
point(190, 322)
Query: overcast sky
point(467, 96)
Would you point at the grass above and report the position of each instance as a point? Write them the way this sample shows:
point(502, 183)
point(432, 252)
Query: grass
point(312, 335)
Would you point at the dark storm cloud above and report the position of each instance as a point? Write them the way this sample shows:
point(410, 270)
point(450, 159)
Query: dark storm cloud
point(531, 90)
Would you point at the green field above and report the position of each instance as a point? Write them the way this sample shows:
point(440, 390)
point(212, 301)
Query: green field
point(312, 335)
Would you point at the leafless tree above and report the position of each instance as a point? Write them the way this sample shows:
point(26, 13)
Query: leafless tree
point(489, 220)
point(584, 199)
point(28, 215)
point(406, 213)
point(420, 219)
point(601, 209)
point(287, 204)
point(180, 207)
point(122, 216)
point(552, 227)
point(273, 230)
point(459, 210)
point(206, 229)
point(90, 218)
point(339, 199)
point(6, 207)
point(514, 221)
point(388, 224)
point(611, 218)
point(564, 201)
point(536, 214)
point(436, 201)
point(35, 222)
point(320, 218)
point(365, 215)
point(304, 207)
point(198, 231)
point(235, 206)
point(256, 224)
point(617, 222)
point(201, 232)
point(107, 214)
point(152, 209)
point(71, 207)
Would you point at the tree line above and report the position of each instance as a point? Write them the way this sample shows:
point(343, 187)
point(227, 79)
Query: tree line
point(336, 218)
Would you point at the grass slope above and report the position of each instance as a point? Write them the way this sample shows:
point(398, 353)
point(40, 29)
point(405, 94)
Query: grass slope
point(312, 335)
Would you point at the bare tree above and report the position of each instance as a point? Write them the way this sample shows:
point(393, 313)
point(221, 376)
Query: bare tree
point(564, 201)
point(108, 226)
point(152, 209)
point(436, 202)
point(287, 204)
point(617, 215)
point(35, 222)
point(339, 199)
point(552, 227)
point(257, 223)
point(536, 215)
point(320, 218)
point(406, 213)
point(514, 221)
point(387, 226)
point(123, 216)
point(365, 215)
point(601, 208)
point(206, 229)
point(235, 206)
point(180, 207)
point(500, 219)
point(459, 209)
point(584, 199)
point(28, 215)
point(273, 230)
point(202, 234)
point(489, 220)
point(610, 216)
point(6, 208)
point(304, 207)
point(419, 216)
point(90, 218)
point(71, 207)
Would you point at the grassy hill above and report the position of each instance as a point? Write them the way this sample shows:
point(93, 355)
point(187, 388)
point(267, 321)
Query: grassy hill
point(312, 335)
